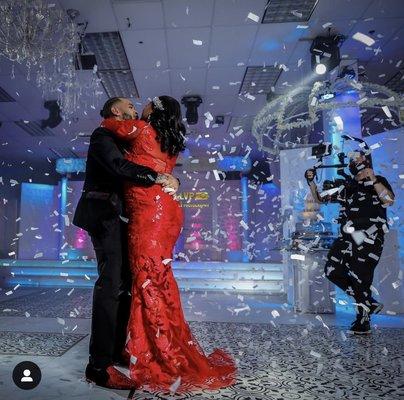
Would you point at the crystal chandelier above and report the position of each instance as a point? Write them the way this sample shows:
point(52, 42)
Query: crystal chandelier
point(34, 32)
point(44, 38)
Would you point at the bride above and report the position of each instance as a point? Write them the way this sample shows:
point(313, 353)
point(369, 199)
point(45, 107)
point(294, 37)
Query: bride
point(160, 350)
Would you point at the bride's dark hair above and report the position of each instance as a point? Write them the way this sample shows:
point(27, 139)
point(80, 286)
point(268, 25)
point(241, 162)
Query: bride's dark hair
point(167, 122)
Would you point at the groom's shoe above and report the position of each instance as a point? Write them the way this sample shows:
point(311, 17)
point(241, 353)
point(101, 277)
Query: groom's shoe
point(123, 360)
point(108, 377)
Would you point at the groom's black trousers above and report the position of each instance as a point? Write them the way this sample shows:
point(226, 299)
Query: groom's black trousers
point(111, 296)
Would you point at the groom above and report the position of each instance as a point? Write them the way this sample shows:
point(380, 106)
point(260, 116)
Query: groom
point(100, 212)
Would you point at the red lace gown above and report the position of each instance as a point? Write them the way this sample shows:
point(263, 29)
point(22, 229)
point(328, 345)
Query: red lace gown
point(163, 351)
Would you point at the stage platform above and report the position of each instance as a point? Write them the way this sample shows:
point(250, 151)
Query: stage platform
point(261, 278)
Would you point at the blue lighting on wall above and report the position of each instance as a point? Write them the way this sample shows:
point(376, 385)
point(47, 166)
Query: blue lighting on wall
point(62, 211)
point(70, 165)
point(235, 163)
point(244, 211)
point(271, 189)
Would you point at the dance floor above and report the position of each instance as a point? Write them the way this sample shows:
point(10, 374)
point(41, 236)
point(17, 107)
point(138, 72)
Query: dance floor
point(280, 355)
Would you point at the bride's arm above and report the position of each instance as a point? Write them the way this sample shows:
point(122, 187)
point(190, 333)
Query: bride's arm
point(125, 130)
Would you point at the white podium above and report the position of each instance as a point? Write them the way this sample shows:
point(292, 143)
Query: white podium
point(388, 277)
point(308, 289)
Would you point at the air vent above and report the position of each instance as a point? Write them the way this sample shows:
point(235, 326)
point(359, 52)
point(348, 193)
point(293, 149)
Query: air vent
point(118, 83)
point(34, 128)
point(5, 97)
point(108, 50)
point(278, 11)
point(112, 63)
point(260, 80)
point(63, 152)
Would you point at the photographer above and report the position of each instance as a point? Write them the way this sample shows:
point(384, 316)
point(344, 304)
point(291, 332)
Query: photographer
point(354, 255)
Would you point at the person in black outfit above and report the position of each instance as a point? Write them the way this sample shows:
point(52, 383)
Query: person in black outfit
point(100, 211)
point(354, 255)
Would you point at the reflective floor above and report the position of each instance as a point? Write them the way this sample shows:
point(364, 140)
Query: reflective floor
point(280, 355)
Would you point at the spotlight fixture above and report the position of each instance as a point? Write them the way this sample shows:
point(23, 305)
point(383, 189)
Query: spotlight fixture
point(325, 54)
point(191, 103)
point(54, 118)
point(320, 68)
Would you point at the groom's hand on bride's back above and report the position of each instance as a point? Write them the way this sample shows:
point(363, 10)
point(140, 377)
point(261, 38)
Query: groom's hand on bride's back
point(169, 182)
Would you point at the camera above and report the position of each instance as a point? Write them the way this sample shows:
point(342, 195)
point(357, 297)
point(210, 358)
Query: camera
point(335, 186)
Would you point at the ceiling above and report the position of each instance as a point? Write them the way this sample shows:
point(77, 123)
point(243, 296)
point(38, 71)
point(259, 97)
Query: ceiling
point(158, 38)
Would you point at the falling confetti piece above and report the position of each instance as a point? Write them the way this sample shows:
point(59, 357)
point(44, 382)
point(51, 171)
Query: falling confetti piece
point(387, 111)
point(197, 42)
point(147, 282)
point(174, 387)
point(244, 225)
point(253, 17)
point(297, 13)
point(361, 37)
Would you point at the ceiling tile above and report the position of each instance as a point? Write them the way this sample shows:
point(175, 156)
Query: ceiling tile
point(222, 80)
point(235, 12)
point(134, 15)
point(182, 51)
point(188, 13)
point(152, 53)
point(230, 52)
point(100, 16)
point(383, 29)
point(219, 105)
point(385, 9)
point(188, 81)
point(152, 83)
point(274, 42)
point(326, 10)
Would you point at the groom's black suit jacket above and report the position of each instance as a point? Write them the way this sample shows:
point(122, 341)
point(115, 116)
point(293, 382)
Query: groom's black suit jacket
point(106, 170)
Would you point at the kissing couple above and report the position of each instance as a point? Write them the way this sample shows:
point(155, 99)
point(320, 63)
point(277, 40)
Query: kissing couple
point(139, 335)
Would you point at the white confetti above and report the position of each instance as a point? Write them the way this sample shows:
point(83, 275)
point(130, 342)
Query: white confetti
point(387, 111)
point(253, 17)
point(297, 13)
point(208, 116)
point(167, 261)
point(175, 385)
point(147, 282)
point(300, 257)
point(244, 225)
point(361, 37)
point(197, 42)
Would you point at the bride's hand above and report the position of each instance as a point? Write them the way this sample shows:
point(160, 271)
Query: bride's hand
point(170, 184)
